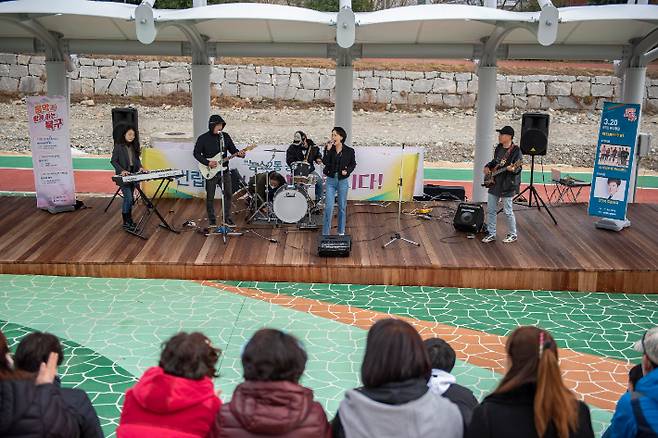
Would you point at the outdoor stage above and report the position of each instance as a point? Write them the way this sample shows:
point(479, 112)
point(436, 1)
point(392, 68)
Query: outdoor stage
point(570, 256)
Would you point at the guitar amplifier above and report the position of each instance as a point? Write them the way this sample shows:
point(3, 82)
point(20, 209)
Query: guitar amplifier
point(334, 246)
point(469, 218)
point(442, 193)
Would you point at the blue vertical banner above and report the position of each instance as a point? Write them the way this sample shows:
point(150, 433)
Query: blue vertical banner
point(614, 160)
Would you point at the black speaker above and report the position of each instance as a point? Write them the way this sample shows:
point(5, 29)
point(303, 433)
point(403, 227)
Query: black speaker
point(534, 133)
point(334, 246)
point(123, 116)
point(442, 193)
point(469, 217)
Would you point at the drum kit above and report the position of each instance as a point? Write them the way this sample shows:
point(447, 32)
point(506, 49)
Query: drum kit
point(290, 203)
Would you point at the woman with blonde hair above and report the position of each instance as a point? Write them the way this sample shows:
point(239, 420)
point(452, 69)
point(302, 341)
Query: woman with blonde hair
point(531, 400)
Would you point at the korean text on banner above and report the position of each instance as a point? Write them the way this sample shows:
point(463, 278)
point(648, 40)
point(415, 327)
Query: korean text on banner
point(614, 160)
point(48, 126)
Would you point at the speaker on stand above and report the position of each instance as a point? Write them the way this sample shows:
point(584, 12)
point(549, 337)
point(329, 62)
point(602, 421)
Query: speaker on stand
point(534, 141)
point(124, 116)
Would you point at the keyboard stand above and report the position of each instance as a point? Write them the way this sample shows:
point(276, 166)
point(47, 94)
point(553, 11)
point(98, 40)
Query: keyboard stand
point(152, 207)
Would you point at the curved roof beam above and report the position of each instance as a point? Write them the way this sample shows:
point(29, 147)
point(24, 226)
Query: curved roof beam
point(50, 41)
point(642, 48)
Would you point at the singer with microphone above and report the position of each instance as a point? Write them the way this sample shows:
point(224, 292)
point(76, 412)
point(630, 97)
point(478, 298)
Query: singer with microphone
point(339, 163)
point(208, 146)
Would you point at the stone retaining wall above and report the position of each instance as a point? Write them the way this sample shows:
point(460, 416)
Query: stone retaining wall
point(93, 76)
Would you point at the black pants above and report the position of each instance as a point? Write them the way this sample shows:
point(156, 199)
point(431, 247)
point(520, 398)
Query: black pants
point(211, 186)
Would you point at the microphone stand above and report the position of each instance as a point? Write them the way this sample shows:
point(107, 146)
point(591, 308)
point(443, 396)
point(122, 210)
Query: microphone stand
point(224, 229)
point(398, 234)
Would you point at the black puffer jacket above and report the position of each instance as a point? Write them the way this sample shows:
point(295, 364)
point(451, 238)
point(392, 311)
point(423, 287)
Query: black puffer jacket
point(507, 183)
point(78, 401)
point(34, 411)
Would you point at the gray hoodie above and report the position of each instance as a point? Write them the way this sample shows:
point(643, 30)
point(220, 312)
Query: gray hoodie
point(428, 416)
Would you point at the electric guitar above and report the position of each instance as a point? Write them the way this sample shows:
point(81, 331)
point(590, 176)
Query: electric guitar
point(209, 172)
point(490, 179)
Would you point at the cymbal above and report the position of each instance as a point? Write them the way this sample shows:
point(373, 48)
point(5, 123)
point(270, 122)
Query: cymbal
point(274, 150)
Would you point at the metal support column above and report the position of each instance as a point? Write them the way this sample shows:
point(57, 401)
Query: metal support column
point(484, 128)
point(634, 80)
point(344, 85)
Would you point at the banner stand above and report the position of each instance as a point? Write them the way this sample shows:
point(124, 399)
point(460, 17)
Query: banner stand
point(613, 165)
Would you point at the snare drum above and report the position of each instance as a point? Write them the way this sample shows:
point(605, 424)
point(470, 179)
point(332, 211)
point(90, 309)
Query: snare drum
point(290, 204)
point(300, 172)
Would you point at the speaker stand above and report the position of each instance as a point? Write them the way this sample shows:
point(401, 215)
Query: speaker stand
point(532, 193)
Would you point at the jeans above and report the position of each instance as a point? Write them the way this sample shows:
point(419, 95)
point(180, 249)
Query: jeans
point(318, 186)
point(492, 210)
point(211, 185)
point(128, 200)
point(340, 187)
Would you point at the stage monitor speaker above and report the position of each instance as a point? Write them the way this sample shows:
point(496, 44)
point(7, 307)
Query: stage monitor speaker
point(442, 193)
point(334, 246)
point(469, 217)
point(534, 133)
point(122, 116)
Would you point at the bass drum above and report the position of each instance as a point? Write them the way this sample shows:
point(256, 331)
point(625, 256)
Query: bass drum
point(290, 204)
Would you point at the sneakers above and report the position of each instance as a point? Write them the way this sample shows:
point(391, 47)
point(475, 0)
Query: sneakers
point(510, 238)
point(229, 222)
point(489, 238)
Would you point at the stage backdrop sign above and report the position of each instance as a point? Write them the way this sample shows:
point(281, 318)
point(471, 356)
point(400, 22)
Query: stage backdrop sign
point(375, 177)
point(48, 126)
point(614, 160)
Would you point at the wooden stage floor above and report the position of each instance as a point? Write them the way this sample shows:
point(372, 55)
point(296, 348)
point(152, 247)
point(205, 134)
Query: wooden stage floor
point(570, 256)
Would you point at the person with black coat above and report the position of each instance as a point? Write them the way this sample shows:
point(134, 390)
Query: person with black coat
point(339, 163)
point(442, 358)
point(33, 407)
point(304, 149)
point(125, 160)
point(32, 351)
point(208, 145)
point(506, 156)
point(531, 401)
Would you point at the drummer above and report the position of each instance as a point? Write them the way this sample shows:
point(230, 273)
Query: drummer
point(257, 186)
point(303, 149)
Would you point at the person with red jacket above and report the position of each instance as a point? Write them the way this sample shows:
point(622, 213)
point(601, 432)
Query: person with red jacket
point(176, 399)
point(271, 402)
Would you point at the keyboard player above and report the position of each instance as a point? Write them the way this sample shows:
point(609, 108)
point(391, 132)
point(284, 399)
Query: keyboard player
point(125, 160)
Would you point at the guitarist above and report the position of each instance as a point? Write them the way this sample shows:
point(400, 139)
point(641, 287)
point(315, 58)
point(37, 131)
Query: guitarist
point(207, 146)
point(506, 184)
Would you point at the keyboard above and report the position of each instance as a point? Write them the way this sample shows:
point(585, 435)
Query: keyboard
point(148, 176)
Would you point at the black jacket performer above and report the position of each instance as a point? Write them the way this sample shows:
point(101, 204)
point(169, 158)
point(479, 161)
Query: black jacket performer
point(207, 146)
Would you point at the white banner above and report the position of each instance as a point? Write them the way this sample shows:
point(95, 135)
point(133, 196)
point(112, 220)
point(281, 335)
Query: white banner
point(48, 125)
point(375, 177)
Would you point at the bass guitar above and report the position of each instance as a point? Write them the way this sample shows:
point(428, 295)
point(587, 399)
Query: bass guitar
point(490, 179)
point(209, 172)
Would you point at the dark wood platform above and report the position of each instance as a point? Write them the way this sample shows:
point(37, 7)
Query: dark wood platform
point(570, 256)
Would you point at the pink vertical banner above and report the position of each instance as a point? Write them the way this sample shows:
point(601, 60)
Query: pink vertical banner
point(48, 125)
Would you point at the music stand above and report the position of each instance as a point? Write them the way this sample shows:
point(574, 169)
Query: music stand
point(398, 234)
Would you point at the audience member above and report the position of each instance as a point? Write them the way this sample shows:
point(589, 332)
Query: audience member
point(442, 360)
point(636, 414)
point(31, 405)
point(531, 400)
point(271, 402)
point(6, 361)
point(176, 398)
point(395, 400)
point(32, 351)
point(634, 375)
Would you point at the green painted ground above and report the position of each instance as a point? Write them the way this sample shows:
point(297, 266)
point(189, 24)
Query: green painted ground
point(595, 323)
point(112, 328)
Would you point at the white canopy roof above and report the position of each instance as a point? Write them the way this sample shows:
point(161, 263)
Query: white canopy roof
point(440, 30)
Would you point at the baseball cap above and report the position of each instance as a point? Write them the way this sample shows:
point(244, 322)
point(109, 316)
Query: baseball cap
point(506, 130)
point(649, 344)
point(297, 139)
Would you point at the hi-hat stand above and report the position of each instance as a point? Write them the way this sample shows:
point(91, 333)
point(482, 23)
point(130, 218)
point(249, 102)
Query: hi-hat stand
point(398, 234)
